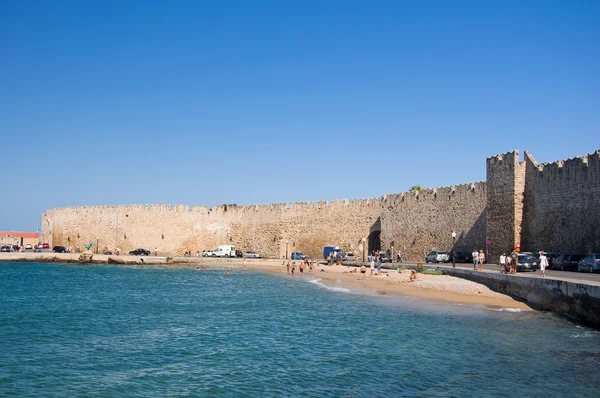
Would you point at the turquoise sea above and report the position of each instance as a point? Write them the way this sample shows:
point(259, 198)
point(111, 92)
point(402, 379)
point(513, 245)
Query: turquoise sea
point(117, 331)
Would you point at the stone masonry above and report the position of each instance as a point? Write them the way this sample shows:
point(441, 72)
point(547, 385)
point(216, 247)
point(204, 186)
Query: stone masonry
point(554, 207)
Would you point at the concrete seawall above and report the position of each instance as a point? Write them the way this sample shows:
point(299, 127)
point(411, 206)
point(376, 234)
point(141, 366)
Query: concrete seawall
point(578, 300)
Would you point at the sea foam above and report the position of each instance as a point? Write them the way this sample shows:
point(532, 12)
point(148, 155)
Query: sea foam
point(331, 288)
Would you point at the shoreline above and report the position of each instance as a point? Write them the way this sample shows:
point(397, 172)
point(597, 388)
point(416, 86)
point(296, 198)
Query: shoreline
point(436, 288)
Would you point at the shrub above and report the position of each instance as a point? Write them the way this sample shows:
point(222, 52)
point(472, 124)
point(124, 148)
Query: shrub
point(432, 272)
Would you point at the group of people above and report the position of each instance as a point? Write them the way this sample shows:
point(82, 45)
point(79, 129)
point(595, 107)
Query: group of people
point(301, 266)
point(478, 259)
point(508, 264)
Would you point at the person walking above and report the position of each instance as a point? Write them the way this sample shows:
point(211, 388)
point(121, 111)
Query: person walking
point(301, 266)
point(372, 266)
point(481, 259)
point(514, 261)
point(503, 263)
point(475, 255)
point(543, 263)
point(288, 267)
point(155, 251)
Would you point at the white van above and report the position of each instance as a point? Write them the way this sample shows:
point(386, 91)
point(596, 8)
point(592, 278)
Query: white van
point(225, 251)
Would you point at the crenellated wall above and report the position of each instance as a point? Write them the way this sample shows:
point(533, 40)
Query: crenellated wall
point(420, 221)
point(562, 205)
point(553, 207)
point(172, 230)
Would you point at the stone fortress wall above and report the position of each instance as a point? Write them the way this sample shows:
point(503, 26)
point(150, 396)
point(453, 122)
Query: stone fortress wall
point(562, 204)
point(519, 203)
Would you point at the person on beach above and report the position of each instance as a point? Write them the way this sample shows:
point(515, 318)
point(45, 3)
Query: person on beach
point(288, 267)
point(372, 266)
point(379, 266)
point(413, 276)
point(543, 263)
point(293, 268)
point(155, 251)
point(481, 260)
point(244, 262)
point(475, 255)
point(363, 271)
point(509, 264)
point(301, 268)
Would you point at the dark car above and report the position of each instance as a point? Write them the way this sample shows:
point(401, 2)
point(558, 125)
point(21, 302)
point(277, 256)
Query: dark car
point(59, 249)
point(526, 262)
point(298, 256)
point(462, 257)
point(238, 253)
point(140, 252)
point(5, 248)
point(590, 263)
point(567, 262)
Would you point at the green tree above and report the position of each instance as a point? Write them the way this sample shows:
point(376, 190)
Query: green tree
point(416, 188)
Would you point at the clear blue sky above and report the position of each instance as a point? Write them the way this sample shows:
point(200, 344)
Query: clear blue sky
point(198, 102)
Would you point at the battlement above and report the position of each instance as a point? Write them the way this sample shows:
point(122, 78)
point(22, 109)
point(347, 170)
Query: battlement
point(508, 159)
point(567, 172)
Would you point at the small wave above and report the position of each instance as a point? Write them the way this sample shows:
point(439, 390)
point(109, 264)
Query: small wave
point(509, 309)
point(331, 288)
point(585, 334)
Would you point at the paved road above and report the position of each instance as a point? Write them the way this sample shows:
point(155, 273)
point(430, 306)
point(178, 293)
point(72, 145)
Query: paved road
point(565, 275)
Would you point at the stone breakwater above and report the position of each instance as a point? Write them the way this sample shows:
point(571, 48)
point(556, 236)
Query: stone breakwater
point(553, 207)
point(581, 301)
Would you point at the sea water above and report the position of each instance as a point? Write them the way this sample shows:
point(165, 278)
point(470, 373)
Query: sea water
point(98, 330)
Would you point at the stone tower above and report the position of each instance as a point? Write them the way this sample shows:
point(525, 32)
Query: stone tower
point(504, 211)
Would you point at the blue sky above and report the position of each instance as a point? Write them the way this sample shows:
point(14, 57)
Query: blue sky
point(212, 102)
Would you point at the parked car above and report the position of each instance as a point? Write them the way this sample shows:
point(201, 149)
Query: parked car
point(28, 247)
point(462, 257)
point(45, 246)
point(59, 249)
point(298, 256)
point(238, 253)
point(384, 258)
point(209, 253)
point(567, 262)
point(590, 263)
point(526, 262)
point(437, 256)
point(5, 248)
point(140, 252)
point(251, 254)
point(348, 257)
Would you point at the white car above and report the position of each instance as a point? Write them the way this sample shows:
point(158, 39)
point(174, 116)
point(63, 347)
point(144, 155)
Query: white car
point(209, 253)
point(28, 246)
point(251, 254)
point(437, 256)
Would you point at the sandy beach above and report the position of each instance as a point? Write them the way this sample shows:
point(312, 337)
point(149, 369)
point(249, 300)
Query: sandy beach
point(441, 288)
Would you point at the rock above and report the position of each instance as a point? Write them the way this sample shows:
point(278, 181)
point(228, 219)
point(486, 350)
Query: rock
point(86, 257)
point(115, 260)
